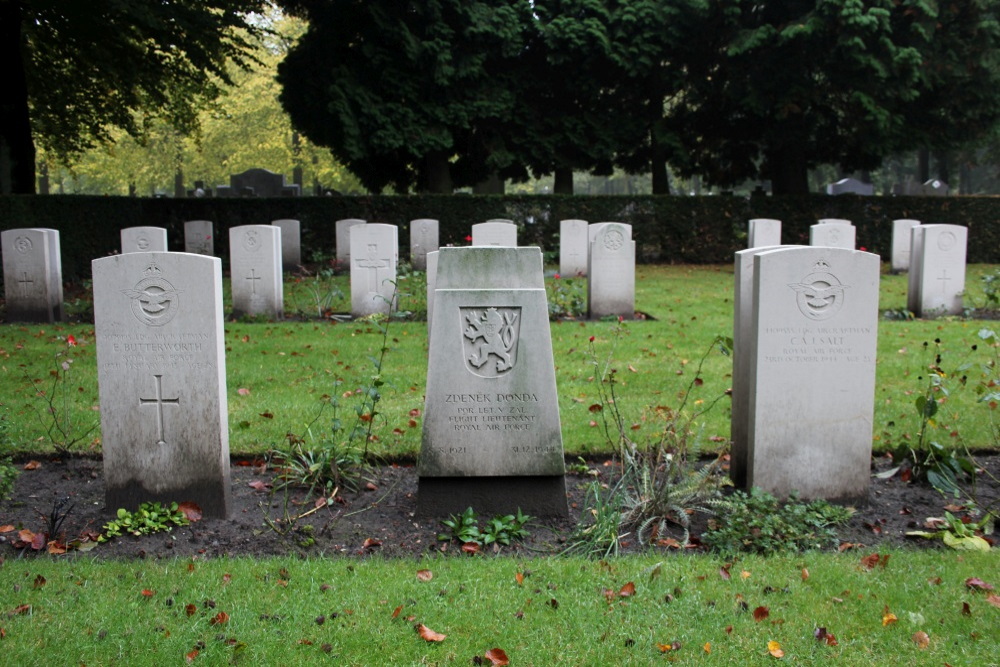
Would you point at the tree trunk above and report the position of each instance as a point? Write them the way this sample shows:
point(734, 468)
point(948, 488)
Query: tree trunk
point(435, 175)
point(943, 160)
point(563, 181)
point(658, 167)
point(786, 167)
point(493, 185)
point(17, 149)
point(923, 166)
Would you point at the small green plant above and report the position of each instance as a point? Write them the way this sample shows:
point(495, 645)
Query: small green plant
point(965, 535)
point(502, 530)
point(59, 403)
point(991, 289)
point(759, 523)
point(945, 468)
point(598, 534)
point(318, 290)
point(149, 518)
point(462, 528)
point(567, 297)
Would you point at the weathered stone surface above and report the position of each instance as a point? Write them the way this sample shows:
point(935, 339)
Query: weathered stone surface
point(833, 233)
point(144, 239)
point(764, 232)
point(492, 412)
point(495, 233)
point(199, 237)
point(32, 284)
point(374, 258)
point(423, 239)
point(162, 380)
point(611, 271)
point(291, 243)
point(812, 372)
point(343, 232)
point(937, 276)
point(902, 230)
point(255, 268)
point(574, 246)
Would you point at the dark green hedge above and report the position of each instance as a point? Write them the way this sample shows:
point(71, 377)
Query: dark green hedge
point(700, 230)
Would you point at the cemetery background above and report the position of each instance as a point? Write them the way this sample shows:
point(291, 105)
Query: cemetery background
point(656, 350)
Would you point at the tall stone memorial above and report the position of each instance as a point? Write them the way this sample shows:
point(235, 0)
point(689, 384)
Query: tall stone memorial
point(255, 267)
point(495, 233)
point(937, 272)
point(491, 433)
point(902, 231)
point(763, 232)
point(32, 275)
point(291, 243)
point(199, 237)
point(611, 271)
point(811, 394)
point(162, 380)
point(574, 245)
point(144, 239)
point(424, 238)
point(342, 228)
point(374, 259)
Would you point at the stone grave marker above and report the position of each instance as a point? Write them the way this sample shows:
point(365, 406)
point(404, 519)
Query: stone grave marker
point(260, 183)
point(199, 237)
point(611, 271)
point(423, 240)
point(742, 326)
point(28, 276)
point(495, 233)
point(938, 270)
point(812, 372)
point(902, 230)
point(832, 233)
point(343, 232)
point(161, 373)
point(55, 285)
point(935, 188)
point(764, 232)
point(432, 268)
point(144, 239)
point(850, 186)
point(574, 245)
point(291, 243)
point(374, 257)
point(491, 432)
point(255, 268)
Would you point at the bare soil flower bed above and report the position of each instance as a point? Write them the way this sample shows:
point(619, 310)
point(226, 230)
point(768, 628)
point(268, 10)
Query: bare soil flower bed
point(381, 518)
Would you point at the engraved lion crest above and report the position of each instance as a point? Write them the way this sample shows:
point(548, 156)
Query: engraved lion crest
point(490, 333)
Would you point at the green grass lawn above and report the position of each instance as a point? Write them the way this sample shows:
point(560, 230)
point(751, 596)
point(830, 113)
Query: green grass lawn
point(914, 607)
point(281, 375)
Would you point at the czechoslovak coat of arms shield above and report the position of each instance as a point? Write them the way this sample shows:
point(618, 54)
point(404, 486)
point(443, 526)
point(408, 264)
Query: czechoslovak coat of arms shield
point(489, 339)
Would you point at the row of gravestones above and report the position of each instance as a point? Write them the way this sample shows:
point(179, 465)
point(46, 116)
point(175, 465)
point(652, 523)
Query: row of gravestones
point(932, 188)
point(934, 256)
point(803, 385)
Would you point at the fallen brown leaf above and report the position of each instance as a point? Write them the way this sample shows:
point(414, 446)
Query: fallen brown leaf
point(427, 634)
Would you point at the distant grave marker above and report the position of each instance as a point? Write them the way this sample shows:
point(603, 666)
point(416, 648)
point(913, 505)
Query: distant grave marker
point(255, 267)
point(144, 239)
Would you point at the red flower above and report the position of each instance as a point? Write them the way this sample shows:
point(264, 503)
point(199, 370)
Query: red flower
point(863, 249)
point(556, 276)
point(468, 238)
point(70, 340)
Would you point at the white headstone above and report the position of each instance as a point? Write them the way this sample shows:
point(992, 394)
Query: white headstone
point(199, 238)
point(255, 271)
point(291, 243)
point(742, 326)
point(55, 285)
point(764, 232)
point(850, 186)
point(901, 233)
point(374, 257)
point(938, 270)
point(432, 269)
point(343, 232)
point(913, 278)
point(28, 276)
point(161, 373)
point(611, 271)
point(832, 234)
point(574, 244)
point(812, 372)
point(144, 239)
point(495, 233)
point(423, 240)
point(491, 432)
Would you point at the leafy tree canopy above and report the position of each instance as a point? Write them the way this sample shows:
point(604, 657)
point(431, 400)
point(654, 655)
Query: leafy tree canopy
point(80, 69)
